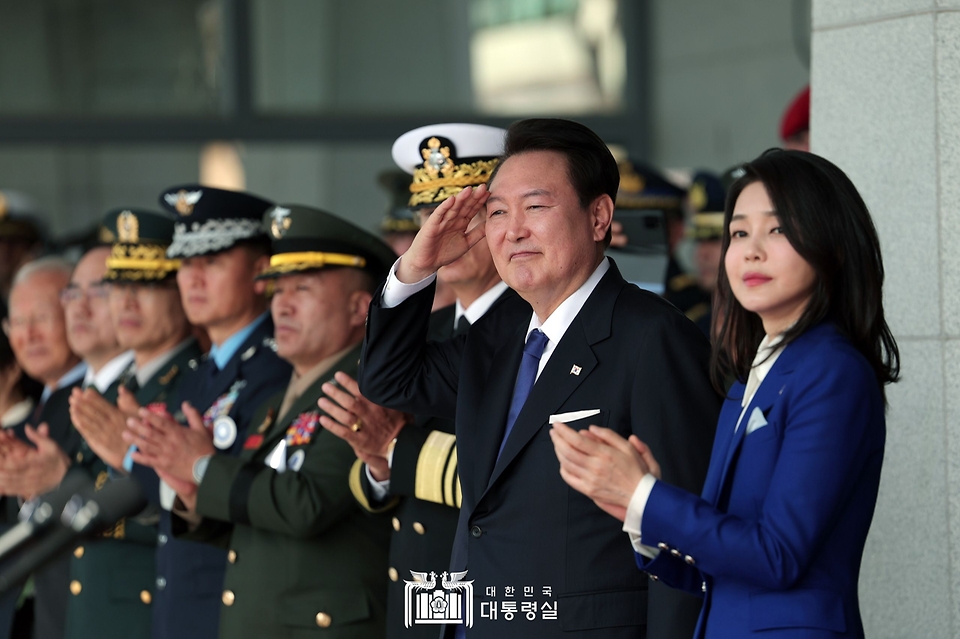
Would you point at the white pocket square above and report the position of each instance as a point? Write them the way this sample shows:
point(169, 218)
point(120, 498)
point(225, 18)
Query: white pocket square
point(757, 421)
point(574, 416)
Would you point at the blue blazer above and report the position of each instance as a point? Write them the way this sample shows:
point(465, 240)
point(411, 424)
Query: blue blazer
point(775, 541)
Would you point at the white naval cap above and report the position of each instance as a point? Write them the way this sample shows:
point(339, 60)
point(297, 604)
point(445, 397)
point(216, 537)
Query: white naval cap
point(471, 141)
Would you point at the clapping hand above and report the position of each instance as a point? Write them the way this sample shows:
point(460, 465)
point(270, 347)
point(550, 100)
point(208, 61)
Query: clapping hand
point(603, 465)
point(367, 427)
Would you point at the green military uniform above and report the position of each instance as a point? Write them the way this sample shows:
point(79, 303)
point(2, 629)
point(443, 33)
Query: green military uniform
point(112, 577)
point(304, 559)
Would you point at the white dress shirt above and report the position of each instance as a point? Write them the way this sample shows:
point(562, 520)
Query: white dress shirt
point(108, 373)
point(767, 354)
point(480, 305)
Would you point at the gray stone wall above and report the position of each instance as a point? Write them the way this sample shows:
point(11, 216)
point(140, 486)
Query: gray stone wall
point(886, 109)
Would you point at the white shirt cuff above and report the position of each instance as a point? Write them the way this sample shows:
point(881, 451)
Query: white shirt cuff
point(396, 292)
point(167, 495)
point(634, 519)
point(378, 488)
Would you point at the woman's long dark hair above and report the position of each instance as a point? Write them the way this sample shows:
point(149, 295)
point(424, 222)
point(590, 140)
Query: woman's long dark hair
point(827, 223)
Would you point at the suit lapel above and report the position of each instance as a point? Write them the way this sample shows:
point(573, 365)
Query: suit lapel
point(493, 407)
point(557, 382)
point(555, 385)
point(766, 395)
point(726, 422)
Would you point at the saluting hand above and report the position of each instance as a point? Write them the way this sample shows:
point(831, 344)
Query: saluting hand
point(446, 235)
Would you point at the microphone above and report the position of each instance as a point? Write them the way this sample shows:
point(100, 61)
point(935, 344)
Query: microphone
point(81, 517)
point(41, 512)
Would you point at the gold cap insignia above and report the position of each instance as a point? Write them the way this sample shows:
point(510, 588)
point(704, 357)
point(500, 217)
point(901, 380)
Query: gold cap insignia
point(698, 196)
point(128, 228)
point(183, 201)
point(630, 180)
point(281, 222)
point(436, 158)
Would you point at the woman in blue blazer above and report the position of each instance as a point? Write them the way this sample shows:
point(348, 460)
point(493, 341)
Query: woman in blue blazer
point(774, 542)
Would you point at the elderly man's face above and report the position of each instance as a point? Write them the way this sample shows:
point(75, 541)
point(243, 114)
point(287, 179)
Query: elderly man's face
point(318, 314)
point(38, 332)
point(89, 327)
point(541, 239)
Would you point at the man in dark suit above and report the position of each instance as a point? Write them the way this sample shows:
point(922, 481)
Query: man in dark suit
point(220, 240)
point(542, 561)
point(423, 523)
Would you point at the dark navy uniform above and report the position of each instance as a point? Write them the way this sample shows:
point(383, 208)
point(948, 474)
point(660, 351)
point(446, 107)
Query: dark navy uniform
point(189, 578)
point(190, 574)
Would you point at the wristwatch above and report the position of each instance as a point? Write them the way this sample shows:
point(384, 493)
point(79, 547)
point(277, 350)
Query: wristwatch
point(200, 468)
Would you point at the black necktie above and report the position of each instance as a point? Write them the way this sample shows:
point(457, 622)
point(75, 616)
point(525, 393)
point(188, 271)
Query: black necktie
point(463, 325)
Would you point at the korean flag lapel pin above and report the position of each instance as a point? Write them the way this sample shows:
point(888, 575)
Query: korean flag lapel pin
point(575, 370)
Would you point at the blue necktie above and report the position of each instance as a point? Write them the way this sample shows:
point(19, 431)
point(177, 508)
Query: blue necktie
point(526, 377)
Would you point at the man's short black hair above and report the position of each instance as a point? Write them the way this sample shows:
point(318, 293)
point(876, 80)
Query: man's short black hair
point(593, 170)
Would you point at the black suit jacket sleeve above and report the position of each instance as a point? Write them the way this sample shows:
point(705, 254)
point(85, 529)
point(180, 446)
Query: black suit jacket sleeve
point(396, 370)
point(675, 393)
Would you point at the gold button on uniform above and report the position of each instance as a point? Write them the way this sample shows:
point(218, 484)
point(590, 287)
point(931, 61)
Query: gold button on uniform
point(324, 620)
point(396, 524)
point(228, 598)
point(76, 587)
point(394, 575)
point(79, 457)
point(690, 560)
point(419, 528)
point(232, 556)
point(78, 552)
point(145, 596)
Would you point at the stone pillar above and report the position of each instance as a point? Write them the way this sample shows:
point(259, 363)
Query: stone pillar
point(886, 109)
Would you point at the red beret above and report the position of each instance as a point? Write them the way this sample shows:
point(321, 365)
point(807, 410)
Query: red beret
point(796, 119)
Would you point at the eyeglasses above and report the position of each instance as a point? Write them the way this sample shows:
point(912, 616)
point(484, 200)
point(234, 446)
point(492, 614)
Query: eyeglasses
point(73, 294)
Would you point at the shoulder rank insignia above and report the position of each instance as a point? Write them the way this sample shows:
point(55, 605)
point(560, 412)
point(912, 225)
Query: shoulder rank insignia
point(301, 430)
point(267, 421)
point(168, 377)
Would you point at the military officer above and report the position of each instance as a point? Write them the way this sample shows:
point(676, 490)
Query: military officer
point(302, 555)
point(425, 521)
point(222, 244)
point(706, 199)
point(112, 578)
point(642, 187)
